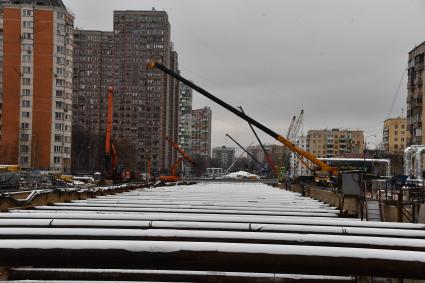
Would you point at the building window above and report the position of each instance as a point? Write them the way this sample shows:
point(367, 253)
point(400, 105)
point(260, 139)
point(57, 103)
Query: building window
point(60, 82)
point(27, 13)
point(26, 92)
point(59, 71)
point(25, 126)
point(27, 35)
point(59, 93)
point(25, 137)
point(60, 49)
point(57, 148)
point(58, 126)
point(57, 159)
point(59, 115)
point(24, 159)
point(26, 58)
point(26, 47)
point(26, 81)
point(27, 24)
point(26, 103)
point(26, 70)
point(60, 60)
point(58, 138)
point(25, 114)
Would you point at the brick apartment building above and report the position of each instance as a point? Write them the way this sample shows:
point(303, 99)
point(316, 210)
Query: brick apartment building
point(37, 49)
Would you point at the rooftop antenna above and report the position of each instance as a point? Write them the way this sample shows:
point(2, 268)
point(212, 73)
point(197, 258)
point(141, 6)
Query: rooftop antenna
point(153, 9)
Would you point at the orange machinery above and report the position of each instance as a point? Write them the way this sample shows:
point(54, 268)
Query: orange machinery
point(173, 177)
point(111, 159)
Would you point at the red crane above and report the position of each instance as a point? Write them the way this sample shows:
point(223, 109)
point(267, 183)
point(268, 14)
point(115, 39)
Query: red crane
point(111, 159)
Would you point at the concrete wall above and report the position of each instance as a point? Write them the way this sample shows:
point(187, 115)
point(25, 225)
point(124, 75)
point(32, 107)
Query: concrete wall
point(349, 205)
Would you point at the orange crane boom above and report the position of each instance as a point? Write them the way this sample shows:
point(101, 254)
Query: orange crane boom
point(173, 177)
point(111, 158)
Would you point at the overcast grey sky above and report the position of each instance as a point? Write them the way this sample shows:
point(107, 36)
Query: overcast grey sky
point(339, 60)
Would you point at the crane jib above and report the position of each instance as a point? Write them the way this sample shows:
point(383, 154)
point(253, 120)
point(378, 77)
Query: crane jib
point(245, 117)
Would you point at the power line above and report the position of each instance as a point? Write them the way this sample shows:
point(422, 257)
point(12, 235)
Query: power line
point(397, 93)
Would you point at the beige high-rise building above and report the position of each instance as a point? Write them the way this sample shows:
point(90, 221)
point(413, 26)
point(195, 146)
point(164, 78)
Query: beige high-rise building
point(415, 95)
point(395, 135)
point(335, 143)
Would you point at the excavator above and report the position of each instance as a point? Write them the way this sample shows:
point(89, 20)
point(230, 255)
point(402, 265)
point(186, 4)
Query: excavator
point(174, 177)
point(111, 159)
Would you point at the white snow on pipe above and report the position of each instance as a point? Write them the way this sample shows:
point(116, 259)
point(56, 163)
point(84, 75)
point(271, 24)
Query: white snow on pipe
point(58, 213)
point(261, 227)
point(326, 221)
point(287, 211)
point(224, 235)
point(257, 249)
point(207, 206)
point(289, 207)
point(187, 272)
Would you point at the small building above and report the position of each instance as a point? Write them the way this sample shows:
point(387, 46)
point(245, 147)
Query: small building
point(214, 172)
point(224, 156)
point(334, 143)
point(395, 135)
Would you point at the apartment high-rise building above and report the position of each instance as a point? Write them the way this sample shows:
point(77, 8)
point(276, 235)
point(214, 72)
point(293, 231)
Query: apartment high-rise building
point(415, 95)
point(185, 118)
point(335, 143)
point(172, 115)
point(395, 135)
point(93, 74)
point(1, 67)
point(144, 97)
point(201, 132)
point(37, 98)
point(225, 156)
point(145, 106)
